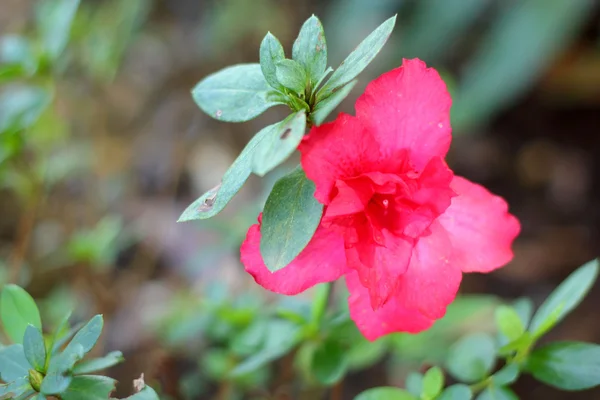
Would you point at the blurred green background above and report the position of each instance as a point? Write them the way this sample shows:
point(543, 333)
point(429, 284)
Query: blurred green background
point(102, 147)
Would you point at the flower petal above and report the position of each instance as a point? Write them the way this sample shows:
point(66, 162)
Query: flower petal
point(322, 260)
point(481, 229)
point(408, 108)
point(392, 317)
point(433, 275)
point(336, 151)
point(380, 265)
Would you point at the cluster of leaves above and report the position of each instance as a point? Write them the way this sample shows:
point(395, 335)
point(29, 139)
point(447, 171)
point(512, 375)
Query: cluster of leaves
point(37, 366)
point(473, 359)
point(242, 92)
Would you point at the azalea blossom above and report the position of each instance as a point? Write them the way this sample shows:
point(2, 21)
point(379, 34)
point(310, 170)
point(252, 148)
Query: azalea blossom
point(397, 222)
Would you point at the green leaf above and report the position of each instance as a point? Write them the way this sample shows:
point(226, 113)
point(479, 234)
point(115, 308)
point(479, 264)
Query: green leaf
point(497, 393)
point(15, 389)
point(21, 106)
point(358, 60)
point(524, 308)
point(291, 75)
point(456, 392)
point(271, 52)
point(289, 220)
point(248, 341)
point(566, 365)
point(506, 375)
point(433, 383)
point(385, 393)
point(98, 364)
point(472, 358)
point(509, 323)
point(279, 144)
point(89, 387)
point(234, 94)
point(54, 20)
point(281, 337)
point(310, 49)
point(414, 383)
point(89, 334)
point(59, 377)
point(329, 362)
point(215, 200)
point(34, 347)
point(326, 106)
point(13, 364)
point(18, 310)
point(564, 298)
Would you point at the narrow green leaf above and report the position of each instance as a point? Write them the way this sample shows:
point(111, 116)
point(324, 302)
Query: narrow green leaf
point(566, 365)
point(472, 358)
point(234, 94)
point(291, 75)
point(566, 296)
point(329, 363)
point(385, 393)
point(280, 144)
point(456, 392)
point(327, 105)
point(506, 375)
point(18, 310)
point(271, 52)
point(34, 347)
point(310, 49)
point(509, 323)
point(497, 393)
point(414, 383)
point(290, 218)
point(89, 387)
point(433, 383)
point(97, 364)
point(54, 20)
point(319, 302)
point(358, 60)
point(215, 200)
point(524, 308)
point(89, 334)
point(13, 364)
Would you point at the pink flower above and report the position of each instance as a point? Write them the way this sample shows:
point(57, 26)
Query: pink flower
point(397, 222)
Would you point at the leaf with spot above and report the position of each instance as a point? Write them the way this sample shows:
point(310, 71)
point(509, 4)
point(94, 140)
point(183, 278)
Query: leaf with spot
point(310, 49)
point(235, 94)
point(280, 143)
point(290, 219)
point(215, 200)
